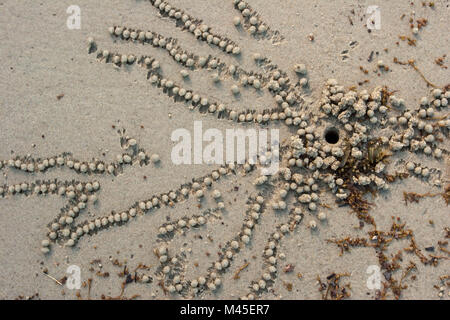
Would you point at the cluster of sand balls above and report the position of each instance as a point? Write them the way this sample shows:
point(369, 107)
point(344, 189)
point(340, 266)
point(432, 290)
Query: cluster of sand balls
point(281, 88)
point(415, 132)
point(312, 162)
point(422, 132)
point(195, 26)
point(95, 166)
point(252, 22)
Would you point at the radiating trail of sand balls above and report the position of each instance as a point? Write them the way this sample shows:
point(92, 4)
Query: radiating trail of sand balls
point(274, 80)
point(77, 194)
point(135, 154)
point(62, 228)
point(202, 32)
point(254, 24)
point(180, 55)
point(153, 203)
point(213, 278)
point(169, 87)
point(168, 230)
point(196, 27)
point(192, 61)
point(50, 187)
point(171, 270)
point(202, 103)
point(270, 272)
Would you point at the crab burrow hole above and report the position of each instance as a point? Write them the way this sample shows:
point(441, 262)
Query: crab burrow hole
point(332, 135)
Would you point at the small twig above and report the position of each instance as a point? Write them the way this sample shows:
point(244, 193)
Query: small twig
point(236, 275)
point(53, 279)
point(412, 63)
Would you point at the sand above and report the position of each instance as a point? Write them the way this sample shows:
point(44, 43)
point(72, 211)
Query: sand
point(56, 98)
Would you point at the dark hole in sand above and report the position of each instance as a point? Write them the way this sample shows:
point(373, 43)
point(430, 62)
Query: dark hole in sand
point(332, 135)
